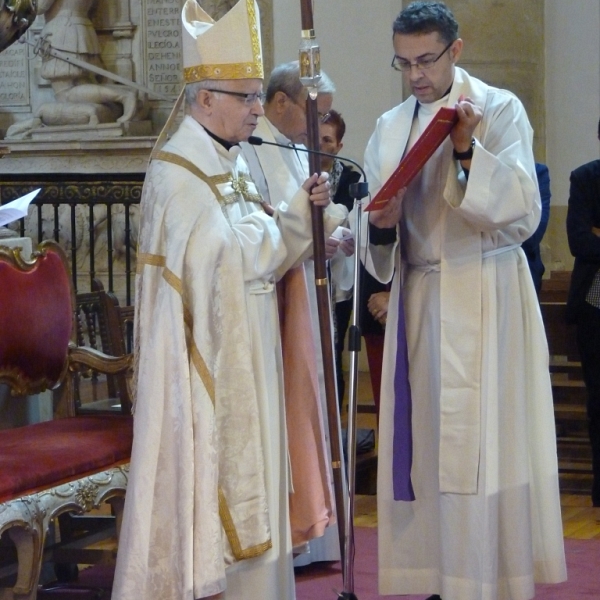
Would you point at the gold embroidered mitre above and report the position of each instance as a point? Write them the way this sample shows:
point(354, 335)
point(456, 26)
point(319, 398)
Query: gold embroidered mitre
point(227, 49)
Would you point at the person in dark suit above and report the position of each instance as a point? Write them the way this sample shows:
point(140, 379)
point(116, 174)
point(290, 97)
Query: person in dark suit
point(583, 304)
point(531, 246)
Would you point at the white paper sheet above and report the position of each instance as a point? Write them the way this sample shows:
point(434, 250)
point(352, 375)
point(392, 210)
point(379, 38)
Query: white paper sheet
point(16, 209)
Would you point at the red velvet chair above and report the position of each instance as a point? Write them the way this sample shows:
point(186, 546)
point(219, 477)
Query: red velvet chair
point(68, 464)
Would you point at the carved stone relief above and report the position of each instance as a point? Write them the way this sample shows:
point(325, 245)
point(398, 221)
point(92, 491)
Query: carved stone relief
point(46, 98)
point(71, 63)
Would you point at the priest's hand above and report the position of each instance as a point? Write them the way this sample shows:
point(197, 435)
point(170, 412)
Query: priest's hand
point(345, 239)
point(390, 214)
point(319, 188)
point(469, 115)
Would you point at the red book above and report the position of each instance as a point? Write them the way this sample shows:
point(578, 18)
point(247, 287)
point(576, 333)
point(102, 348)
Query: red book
point(416, 157)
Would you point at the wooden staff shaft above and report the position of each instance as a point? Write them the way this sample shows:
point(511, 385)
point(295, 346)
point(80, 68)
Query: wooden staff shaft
point(323, 305)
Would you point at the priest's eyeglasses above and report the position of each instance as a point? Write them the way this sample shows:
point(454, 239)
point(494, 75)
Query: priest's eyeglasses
point(422, 64)
point(249, 99)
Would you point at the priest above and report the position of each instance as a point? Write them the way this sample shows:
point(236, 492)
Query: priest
point(478, 516)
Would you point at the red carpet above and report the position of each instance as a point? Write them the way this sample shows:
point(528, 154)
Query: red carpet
point(322, 581)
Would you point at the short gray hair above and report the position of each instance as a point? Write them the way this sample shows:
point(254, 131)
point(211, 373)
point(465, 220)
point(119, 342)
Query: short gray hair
point(192, 89)
point(286, 78)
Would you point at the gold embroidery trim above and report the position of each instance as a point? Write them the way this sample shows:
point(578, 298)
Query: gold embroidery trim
point(243, 70)
point(203, 372)
point(255, 36)
point(232, 198)
point(232, 535)
point(186, 164)
point(157, 260)
point(152, 260)
point(218, 179)
point(197, 360)
point(224, 71)
point(187, 317)
point(239, 184)
point(173, 281)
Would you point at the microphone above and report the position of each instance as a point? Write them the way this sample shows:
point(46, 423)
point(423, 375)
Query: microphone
point(357, 190)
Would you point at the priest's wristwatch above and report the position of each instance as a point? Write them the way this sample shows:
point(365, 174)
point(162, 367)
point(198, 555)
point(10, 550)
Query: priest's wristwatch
point(467, 154)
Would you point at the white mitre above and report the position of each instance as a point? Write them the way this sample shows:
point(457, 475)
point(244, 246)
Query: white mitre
point(227, 49)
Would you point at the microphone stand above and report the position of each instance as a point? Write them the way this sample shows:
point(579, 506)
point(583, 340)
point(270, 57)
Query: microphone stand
point(358, 191)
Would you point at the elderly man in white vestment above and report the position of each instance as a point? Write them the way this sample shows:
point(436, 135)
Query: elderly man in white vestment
point(277, 173)
point(206, 513)
point(485, 521)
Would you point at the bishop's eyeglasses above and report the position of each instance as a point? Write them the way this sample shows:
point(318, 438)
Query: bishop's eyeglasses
point(249, 99)
point(422, 64)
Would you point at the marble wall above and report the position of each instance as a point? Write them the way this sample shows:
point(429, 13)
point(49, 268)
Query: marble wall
point(504, 46)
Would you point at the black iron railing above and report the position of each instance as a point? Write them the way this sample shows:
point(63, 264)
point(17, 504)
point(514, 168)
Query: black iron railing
point(94, 218)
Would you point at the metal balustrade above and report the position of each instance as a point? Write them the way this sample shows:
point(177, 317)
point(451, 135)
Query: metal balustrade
point(93, 217)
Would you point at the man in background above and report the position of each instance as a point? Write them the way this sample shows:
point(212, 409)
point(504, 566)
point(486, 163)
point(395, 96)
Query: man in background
point(277, 172)
point(531, 246)
point(583, 306)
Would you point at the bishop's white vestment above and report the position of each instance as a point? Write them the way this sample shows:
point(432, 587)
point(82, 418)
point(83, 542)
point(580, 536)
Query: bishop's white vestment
point(206, 505)
point(486, 521)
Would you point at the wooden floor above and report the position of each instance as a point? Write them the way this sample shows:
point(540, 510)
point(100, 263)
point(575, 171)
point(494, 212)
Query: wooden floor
point(580, 519)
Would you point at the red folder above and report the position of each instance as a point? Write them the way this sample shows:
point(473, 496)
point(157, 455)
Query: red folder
point(435, 133)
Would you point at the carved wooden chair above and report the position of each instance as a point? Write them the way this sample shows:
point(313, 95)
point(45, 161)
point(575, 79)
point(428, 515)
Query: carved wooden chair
point(99, 325)
point(68, 464)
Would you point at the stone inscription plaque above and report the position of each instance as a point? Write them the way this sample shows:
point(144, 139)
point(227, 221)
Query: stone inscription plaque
point(14, 79)
point(163, 46)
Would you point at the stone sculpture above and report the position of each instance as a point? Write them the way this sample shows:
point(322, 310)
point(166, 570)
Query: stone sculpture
point(81, 99)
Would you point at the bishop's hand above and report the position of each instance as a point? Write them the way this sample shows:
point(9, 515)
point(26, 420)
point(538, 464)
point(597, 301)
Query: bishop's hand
point(319, 188)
